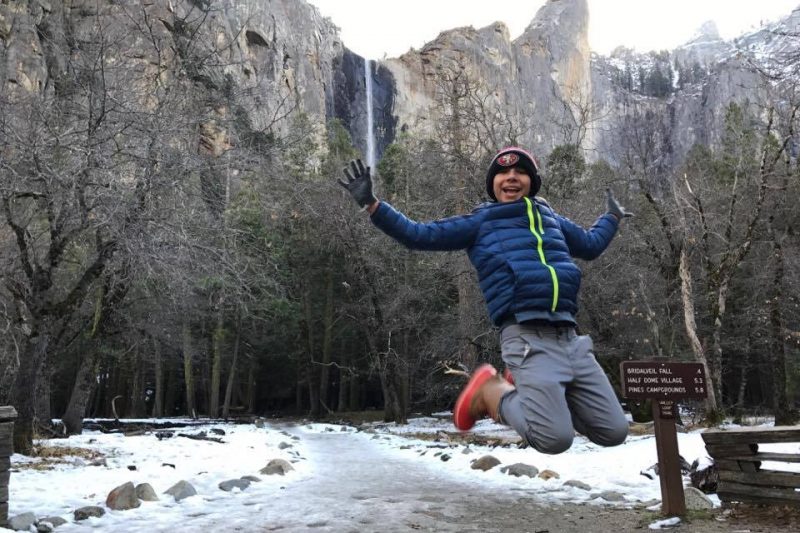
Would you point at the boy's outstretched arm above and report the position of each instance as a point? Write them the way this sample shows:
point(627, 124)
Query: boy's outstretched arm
point(614, 208)
point(589, 244)
point(453, 233)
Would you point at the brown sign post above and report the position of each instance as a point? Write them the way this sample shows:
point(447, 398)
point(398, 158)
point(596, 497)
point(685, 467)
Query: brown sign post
point(664, 383)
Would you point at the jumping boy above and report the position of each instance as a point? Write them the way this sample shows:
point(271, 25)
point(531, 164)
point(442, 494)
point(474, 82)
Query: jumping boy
point(522, 251)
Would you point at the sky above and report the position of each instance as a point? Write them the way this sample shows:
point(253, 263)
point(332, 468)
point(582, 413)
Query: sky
point(374, 28)
point(343, 478)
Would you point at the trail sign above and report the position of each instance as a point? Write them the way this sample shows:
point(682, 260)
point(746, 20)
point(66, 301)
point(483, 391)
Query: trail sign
point(642, 380)
point(663, 383)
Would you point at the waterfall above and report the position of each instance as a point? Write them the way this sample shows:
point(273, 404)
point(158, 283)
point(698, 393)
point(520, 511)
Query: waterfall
point(370, 125)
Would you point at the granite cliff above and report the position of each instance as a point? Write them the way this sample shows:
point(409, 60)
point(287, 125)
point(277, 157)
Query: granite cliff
point(277, 56)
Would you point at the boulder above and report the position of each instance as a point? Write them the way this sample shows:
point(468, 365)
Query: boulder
point(696, 500)
point(277, 466)
point(231, 484)
point(90, 511)
point(22, 522)
point(520, 469)
point(44, 527)
point(181, 490)
point(252, 479)
point(146, 493)
point(577, 484)
point(487, 462)
point(548, 474)
point(54, 520)
point(610, 496)
point(123, 498)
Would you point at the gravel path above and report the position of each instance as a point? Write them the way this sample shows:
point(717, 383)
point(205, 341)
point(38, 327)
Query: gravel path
point(351, 490)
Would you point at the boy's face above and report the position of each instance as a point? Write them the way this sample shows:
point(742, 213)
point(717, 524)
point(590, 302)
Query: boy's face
point(511, 184)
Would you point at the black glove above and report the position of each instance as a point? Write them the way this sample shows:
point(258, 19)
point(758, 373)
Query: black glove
point(614, 208)
point(359, 183)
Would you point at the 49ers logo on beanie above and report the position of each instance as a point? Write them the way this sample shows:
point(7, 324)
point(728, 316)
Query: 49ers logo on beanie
point(513, 156)
point(507, 160)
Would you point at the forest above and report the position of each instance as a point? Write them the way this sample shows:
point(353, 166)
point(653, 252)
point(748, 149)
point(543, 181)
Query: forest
point(161, 255)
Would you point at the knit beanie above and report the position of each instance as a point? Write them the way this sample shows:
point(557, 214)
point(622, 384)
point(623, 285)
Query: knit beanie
point(513, 156)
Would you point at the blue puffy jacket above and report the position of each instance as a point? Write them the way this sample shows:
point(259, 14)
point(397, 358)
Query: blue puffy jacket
point(522, 251)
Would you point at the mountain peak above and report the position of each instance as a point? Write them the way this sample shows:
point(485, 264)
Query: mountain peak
point(708, 32)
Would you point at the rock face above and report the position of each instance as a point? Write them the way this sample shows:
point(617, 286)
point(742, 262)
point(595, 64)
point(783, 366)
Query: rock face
point(255, 60)
point(534, 75)
point(270, 57)
point(548, 77)
point(350, 100)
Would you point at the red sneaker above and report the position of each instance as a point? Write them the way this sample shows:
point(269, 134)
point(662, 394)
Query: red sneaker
point(461, 416)
point(508, 376)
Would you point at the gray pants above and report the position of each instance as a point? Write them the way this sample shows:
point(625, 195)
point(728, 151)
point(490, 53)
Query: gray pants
point(560, 388)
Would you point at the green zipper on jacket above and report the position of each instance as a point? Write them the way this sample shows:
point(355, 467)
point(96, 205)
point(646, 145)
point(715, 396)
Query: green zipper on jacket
point(533, 215)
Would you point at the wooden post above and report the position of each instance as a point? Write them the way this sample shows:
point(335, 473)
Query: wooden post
point(669, 467)
point(664, 383)
point(7, 416)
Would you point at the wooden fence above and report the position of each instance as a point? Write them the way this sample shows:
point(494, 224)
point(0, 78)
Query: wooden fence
point(7, 417)
point(741, 478)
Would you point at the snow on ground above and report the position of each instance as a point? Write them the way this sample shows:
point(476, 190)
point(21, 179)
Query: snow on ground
point(605, 469)
point(205, 464)
point(247, 449)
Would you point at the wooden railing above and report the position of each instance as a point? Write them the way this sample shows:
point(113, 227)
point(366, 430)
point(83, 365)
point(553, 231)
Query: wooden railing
point(7, 417)
point(741, 478)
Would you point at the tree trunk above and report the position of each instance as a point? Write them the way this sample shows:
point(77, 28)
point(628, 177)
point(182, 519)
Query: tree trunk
point(31, 357)
point(311, 373)
point(460, 148)
point(354, 401)
point(404, 377)
point(82, 388)
point(743, 380)
point(715, 361)
point(300, 383)
point(99, 394)
point(327, 335)
point(466, 313)
point(687, 297)
point(158, 400)
point(389, 397)
point(405, 356)
point(43, 400)
point(784, 415)
point(218, 339)
point(226, 408)
point(172, 386)
point(118, 388)
point(344, 383)
point(138, 406)
point(251, 386)
point(188, 368)
point(203, 380)
point(390, 384)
